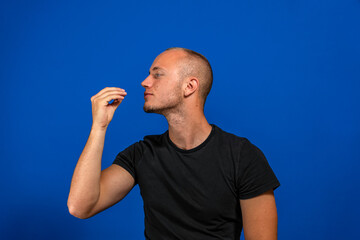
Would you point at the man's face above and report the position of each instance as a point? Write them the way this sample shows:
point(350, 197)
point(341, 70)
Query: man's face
point(163, 86)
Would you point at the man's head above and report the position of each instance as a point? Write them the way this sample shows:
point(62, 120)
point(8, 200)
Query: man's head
point(177, 75)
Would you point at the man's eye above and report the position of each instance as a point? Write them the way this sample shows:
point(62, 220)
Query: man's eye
point(157, 75)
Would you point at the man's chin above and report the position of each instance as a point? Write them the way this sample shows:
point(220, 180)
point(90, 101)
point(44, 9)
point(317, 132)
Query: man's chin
point(158, 110)
point(148, 109)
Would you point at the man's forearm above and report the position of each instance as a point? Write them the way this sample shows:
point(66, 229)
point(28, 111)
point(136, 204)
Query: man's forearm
point(85, 184)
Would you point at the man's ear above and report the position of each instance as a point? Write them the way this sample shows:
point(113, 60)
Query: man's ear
point(192, 84)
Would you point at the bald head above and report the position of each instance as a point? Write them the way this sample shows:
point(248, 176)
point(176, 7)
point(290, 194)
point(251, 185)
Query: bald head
point(193, 64)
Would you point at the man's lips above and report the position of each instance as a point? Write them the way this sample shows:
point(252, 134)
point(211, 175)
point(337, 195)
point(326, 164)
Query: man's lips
point(147, 94)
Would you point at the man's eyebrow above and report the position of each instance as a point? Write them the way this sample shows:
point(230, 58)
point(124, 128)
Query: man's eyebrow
point(157, 68)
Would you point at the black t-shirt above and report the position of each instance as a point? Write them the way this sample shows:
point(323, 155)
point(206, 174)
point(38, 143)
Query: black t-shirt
point(194, 194)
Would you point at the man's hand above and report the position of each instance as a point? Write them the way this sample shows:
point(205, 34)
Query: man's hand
point(260, 217)
point(102, 111)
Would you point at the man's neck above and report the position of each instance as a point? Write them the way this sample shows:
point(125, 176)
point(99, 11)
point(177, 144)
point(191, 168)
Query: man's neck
point(188, 131)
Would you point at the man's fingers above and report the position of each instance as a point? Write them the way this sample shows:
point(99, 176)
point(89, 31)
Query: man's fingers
point(107, 91)
point(106, 95)
point(110, 97)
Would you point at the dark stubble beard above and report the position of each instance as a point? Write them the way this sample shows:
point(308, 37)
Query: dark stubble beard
point(150, 109)
point(170, 107)
point(161, 110)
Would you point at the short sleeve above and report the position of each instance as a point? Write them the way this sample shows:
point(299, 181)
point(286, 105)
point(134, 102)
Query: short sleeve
point(129, 158)
point(254, 175)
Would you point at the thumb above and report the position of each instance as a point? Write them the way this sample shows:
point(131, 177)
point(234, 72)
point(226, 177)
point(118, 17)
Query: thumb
point(115, 103)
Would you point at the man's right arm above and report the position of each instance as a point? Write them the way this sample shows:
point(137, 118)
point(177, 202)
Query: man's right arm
point(93, 190)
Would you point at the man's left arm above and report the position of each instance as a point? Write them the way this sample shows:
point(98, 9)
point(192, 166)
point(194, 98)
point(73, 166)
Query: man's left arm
point(259, 216)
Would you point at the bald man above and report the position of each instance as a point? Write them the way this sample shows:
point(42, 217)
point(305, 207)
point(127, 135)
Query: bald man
point(196, 180)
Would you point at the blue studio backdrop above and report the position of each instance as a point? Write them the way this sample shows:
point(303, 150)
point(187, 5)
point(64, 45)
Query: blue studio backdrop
point(286, 76)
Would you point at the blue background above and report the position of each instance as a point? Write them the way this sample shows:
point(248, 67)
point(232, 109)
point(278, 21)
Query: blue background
point(286, 76)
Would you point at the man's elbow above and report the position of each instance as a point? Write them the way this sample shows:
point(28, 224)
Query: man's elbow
point(78, 212)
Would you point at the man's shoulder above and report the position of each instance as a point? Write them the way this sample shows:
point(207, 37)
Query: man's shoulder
point(148, 141)
point(228, 137)
point(153, 138)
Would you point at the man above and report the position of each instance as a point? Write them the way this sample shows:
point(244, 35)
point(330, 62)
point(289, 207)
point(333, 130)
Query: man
point(196, 180)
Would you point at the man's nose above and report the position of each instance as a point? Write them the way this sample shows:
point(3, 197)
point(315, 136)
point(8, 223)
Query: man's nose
point(146, 83)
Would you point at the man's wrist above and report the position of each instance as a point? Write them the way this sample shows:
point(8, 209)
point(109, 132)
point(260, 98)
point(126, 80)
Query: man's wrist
point(98, 129)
